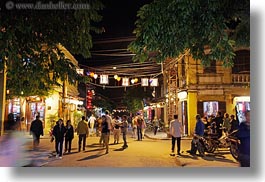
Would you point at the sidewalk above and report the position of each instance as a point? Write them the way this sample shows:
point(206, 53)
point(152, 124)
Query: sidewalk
point(17, 150)
point(42, 155)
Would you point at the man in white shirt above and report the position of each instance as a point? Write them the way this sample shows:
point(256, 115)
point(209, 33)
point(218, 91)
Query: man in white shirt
point(91, 123)
point(175, 130)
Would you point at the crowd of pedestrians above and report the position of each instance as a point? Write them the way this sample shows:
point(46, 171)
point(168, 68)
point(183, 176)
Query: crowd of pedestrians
point(102, 126)
point(105, 125)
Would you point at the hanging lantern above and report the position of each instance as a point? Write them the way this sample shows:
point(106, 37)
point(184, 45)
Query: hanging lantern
point(104, 79)
point(95, 76)
point(119, 79)
point(132, 81)
point(125, 81)
point(89, 97)
point(80, 71)
point(153, 82)
point(115, 77)
point(144, 82)
point(92, 74)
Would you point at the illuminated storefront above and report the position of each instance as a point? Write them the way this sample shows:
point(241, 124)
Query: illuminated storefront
point(242, 104)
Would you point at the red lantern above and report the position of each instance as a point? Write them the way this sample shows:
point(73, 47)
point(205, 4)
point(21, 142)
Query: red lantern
point(89, 99)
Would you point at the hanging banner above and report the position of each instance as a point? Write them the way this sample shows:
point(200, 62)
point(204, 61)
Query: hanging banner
point(144, 82)
point(80, 71)
point(153, 82)
point(125, 81)
point(104, 79)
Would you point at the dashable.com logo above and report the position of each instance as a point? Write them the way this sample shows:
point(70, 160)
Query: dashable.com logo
point(61, 5)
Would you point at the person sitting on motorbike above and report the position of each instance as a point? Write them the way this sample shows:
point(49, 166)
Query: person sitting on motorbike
point(199, 132)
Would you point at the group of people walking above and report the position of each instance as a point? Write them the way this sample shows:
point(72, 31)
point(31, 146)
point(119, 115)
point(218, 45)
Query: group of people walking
point(116, 126)
point(64, 134)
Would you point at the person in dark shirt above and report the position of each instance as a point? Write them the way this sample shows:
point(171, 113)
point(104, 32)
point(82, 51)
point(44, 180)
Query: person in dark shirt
point(105, 132)
point(36, 129)
point(219, 122)
point(199, 131)
point(244, 137)
point(69, 135)
point(234, 123)
point(59, 133)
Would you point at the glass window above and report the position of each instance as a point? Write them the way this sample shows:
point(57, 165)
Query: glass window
point(211, 68)
point(210, 108)
point(241, 62)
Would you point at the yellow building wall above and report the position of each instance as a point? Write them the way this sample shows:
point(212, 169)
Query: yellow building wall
point(220, 86)
point(230, 107)
point(191, 71)
point(191, 111)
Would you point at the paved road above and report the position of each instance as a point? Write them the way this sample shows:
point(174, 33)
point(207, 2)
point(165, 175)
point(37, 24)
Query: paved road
point(146, 153)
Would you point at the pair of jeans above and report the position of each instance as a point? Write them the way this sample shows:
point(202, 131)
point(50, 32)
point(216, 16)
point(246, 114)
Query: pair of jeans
point(59, 147)
point(105, 137)
point(124, 139)
point(36, 140)
point(68, 143)
point(81, 137)
point(139, 133)
point(173, 140)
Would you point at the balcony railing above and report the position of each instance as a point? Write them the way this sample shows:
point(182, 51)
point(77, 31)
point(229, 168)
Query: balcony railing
point(240, 78)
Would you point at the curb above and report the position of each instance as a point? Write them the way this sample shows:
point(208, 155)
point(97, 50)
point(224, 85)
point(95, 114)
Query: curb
point(156, 138)
point(164, 138)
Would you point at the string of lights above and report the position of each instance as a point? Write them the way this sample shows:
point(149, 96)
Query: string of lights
point(132, 69)
point(115, 62)
point(112, 86)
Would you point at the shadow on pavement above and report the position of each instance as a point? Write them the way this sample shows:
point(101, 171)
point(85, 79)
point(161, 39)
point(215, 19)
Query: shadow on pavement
point(194, 157)
point(91, 157)
point(217, 157)
point(93, 145)
point(120, 149)
point(93, 150)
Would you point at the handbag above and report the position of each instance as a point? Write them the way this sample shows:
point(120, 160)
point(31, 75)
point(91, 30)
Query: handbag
point(52, 139)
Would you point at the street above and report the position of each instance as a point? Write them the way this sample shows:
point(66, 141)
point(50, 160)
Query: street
point(145, 153)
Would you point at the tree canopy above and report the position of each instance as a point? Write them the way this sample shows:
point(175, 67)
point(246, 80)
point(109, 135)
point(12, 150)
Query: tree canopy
point(29, 42)
point(135, 102)
point(209, 30)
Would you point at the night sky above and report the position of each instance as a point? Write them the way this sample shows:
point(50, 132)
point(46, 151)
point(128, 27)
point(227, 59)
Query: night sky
point(119, 17)
point(118, 21)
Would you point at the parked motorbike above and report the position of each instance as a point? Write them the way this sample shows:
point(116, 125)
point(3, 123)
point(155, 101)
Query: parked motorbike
point(234, 143)
point(227, 140)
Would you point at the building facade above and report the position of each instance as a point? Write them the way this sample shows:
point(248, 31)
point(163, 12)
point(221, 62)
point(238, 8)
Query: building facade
point(63, 102)
point(192, 89)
